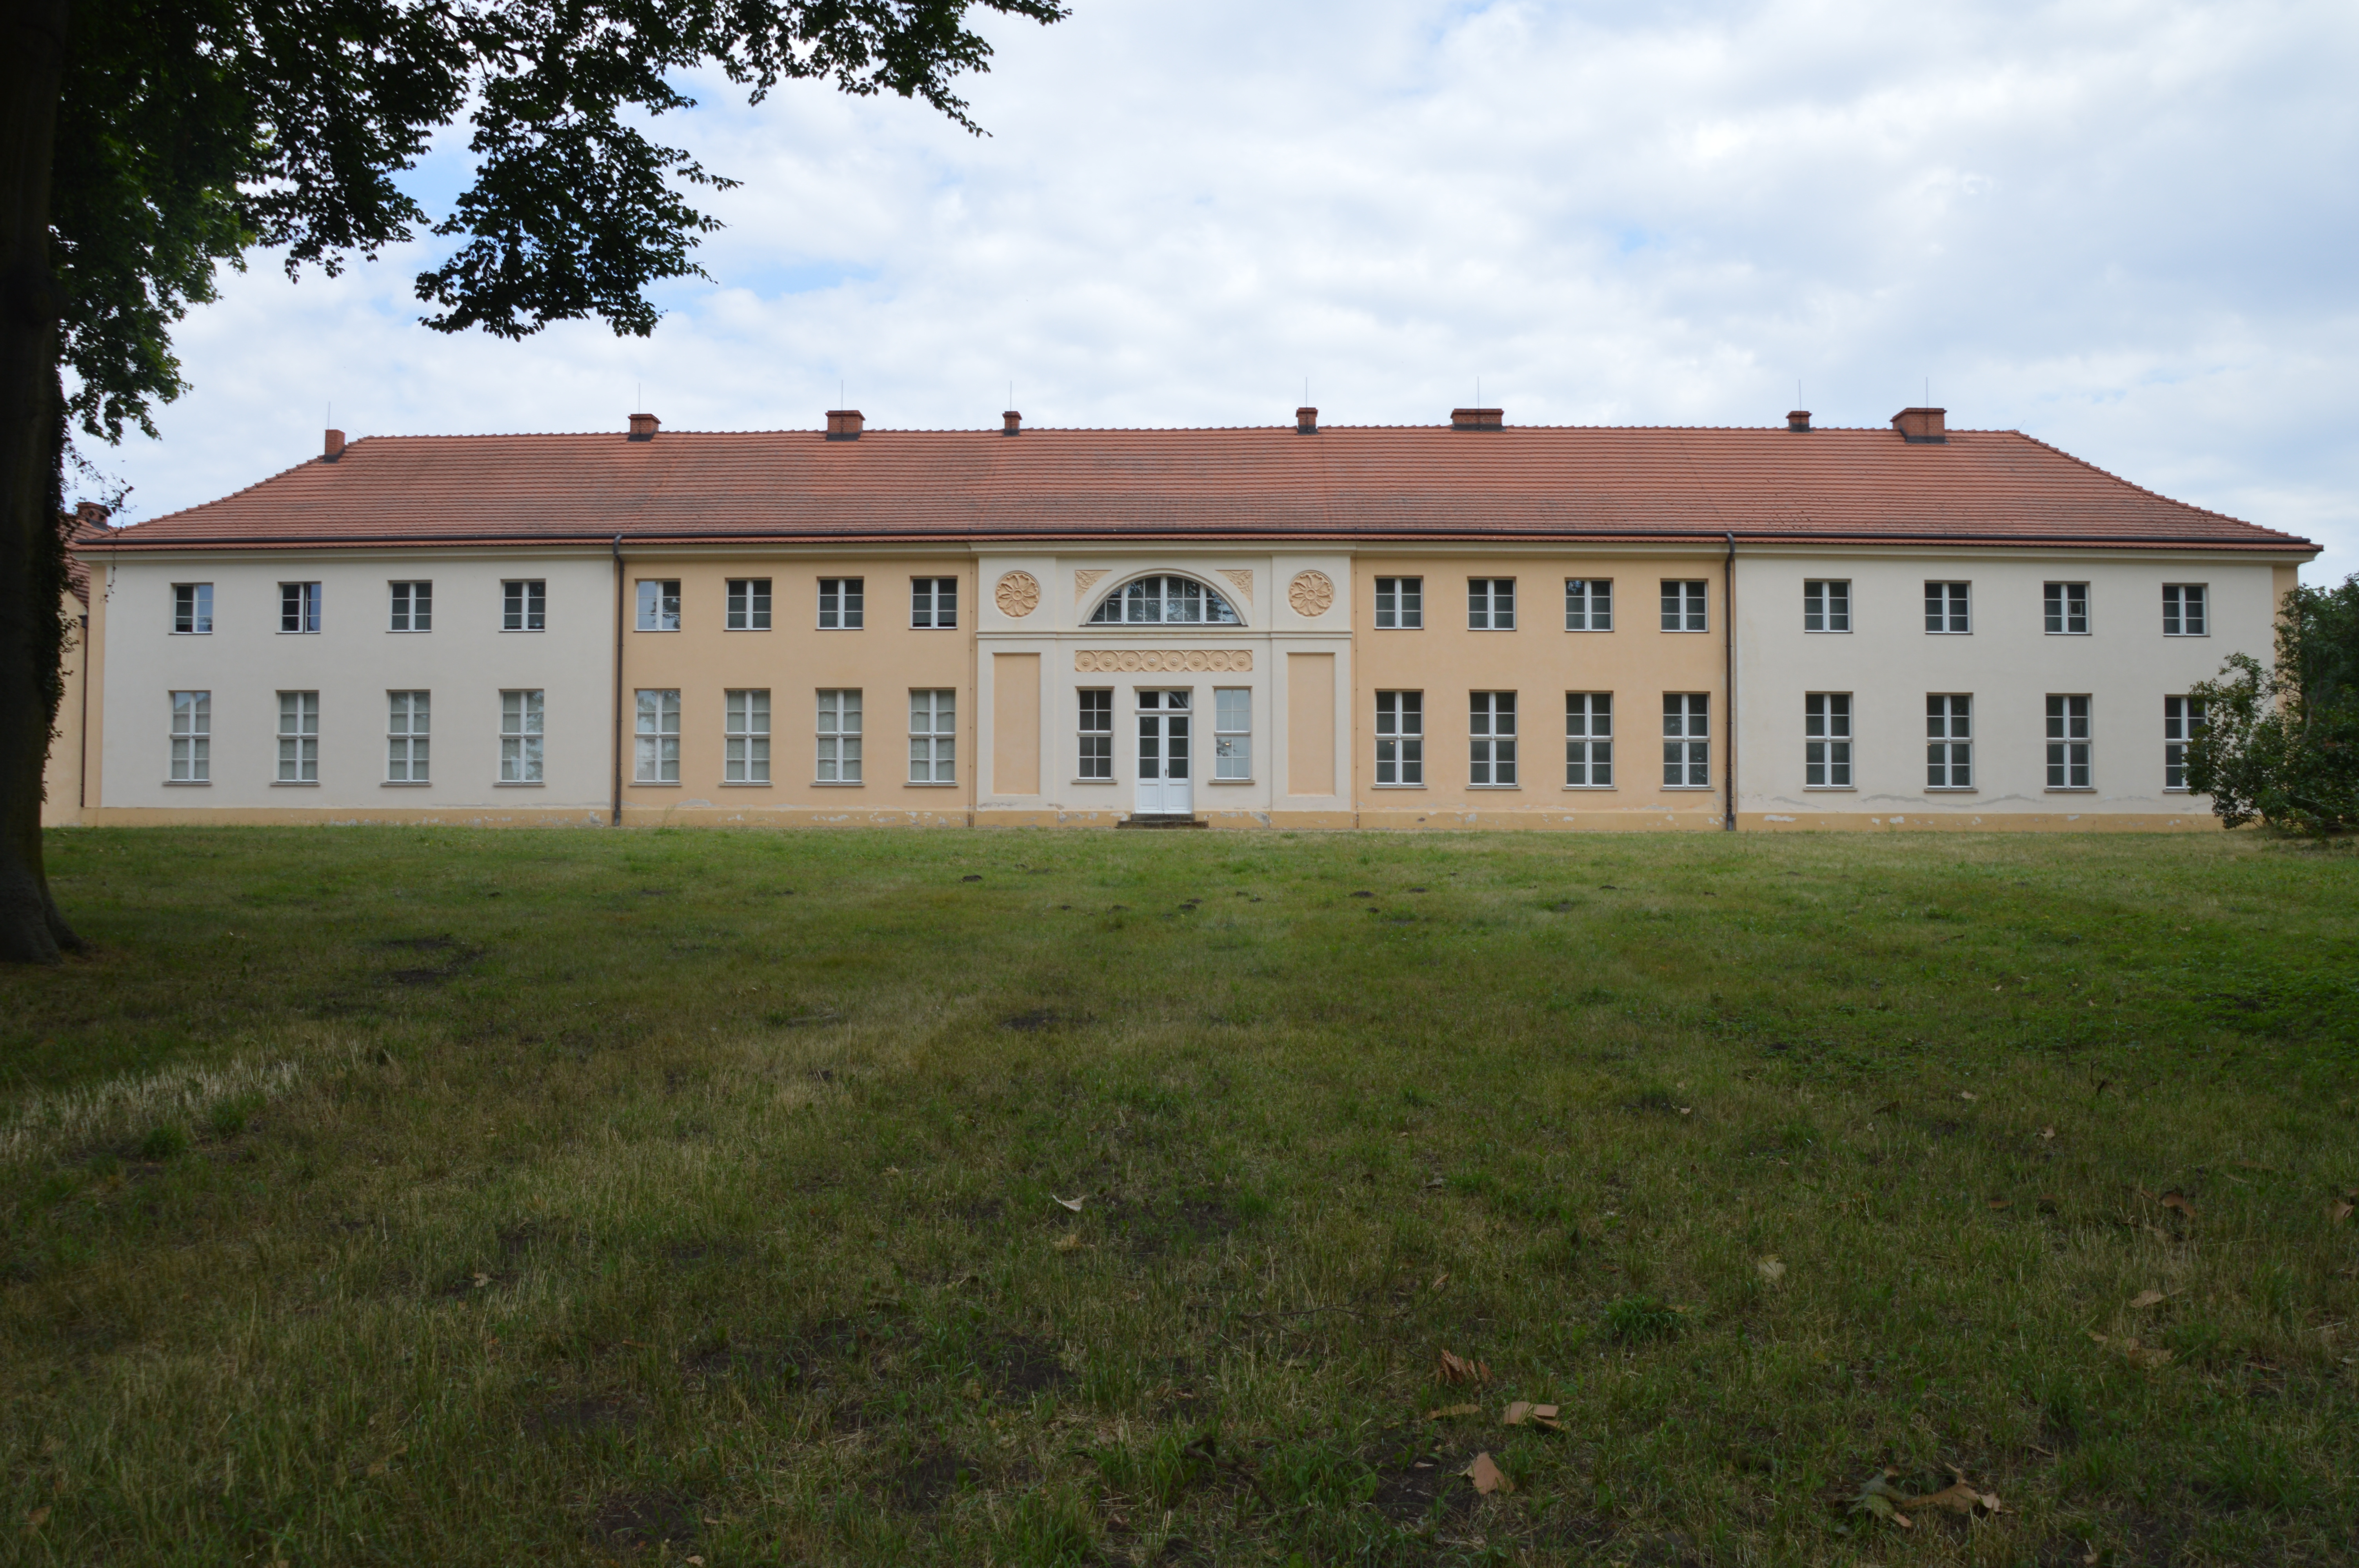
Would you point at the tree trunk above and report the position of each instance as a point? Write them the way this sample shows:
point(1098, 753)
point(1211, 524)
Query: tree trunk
point(32, 433)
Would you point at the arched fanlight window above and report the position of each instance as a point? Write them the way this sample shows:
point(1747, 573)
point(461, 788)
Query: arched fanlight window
point(1164, 601)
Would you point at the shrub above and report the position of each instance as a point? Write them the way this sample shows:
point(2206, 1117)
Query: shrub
point(2280, 742)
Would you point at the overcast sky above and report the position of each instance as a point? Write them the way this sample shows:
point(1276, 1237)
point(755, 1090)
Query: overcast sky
point(2125, 228)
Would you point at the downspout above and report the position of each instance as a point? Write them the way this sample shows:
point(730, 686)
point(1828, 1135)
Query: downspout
point(617, 820)
point(82, 751)
point(1728, 637)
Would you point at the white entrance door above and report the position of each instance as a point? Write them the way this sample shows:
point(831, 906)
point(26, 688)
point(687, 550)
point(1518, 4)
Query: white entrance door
point(1165, 788)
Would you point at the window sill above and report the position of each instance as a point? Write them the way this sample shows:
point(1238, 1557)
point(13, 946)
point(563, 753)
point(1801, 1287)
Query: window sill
point(839, 784)
point(1948, 633)
point(1687, 631)
point(929, 783)
point(522, 631)
point(1396, 786)
point(1591, 789)
point(2070, 789)
point(1693, 789)
point(1584, 630)
point(1494, 786)
point(521, 784)
point(1399, 628)
point(2186, 636)
point(188, 784)
point(2177, 789)
point(188, 633)
point(747, 784)
point(405, 783)
point(1094, 780)
point(2065, 634)
point(655, 784)
point(657, 631)
point(745, 628)
point(1217, 782)
point(840, 628)
point(284, 632)
point(1490, 628)
point(1831, 789)
point(409, 631)
point(1827, 631)
point(1952, 789)
point(294, 783)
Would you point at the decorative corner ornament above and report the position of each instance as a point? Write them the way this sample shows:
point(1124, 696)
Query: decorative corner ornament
point(1310, 593)
point(1243, 579)
point(1018, 594)
point(1084, 580)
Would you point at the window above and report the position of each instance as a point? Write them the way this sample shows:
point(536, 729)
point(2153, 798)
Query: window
point(1684, 607)
point(413, 607)
point(1589, 740)
point(192, 608)
point(2068, 742)
point(1588, 604)
point(933, 602)
point(2181, 718)
point(933, 735)
point(1163, 601)
point(299, 607)
point(749, 604)
point(406, 729)
point(840, 600)
point(520, 737)
point(746, 757)
point(1401, 603)
point(1947, 608)
point(299, 736)
point(1490, 604)
point(658, 604)
point(524, 605)
point(2182, 610)
point(1231, 732)
point(1826, 605)
point(1491, 745)
point(1826, 740)
point(2068, 609)
point(659, 737)
point(839, 737)
point(1097, 735)
point(1687, 740)
point(1949, 742)
point(1400, 737)
point(192, 737)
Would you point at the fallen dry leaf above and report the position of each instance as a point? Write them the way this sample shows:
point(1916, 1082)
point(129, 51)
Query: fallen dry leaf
point(1463, 1369)
point(1959, 1497)
point(2175, 1199)
point(1771, 1269)
point(39, 1516)
point(1878, 1499)
point(1452, 1413)
point(1965, 1093)
point(1524, 1411)
point(2047, 1135)
point(1487, 1477)
point(1068, 1241)
point(2146, 1299)
point(1073, 1203)
point(2338, 1211)
point(2001, 1202)
point(2140, 1354)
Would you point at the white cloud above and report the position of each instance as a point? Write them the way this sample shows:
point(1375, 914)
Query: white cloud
point(2123, 227)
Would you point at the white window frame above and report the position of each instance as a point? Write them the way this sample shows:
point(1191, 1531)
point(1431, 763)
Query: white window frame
point(2181, 718)
point(843, 604)
point(1233, 734)
point(1490, 604)
point(301, 605)
point(522, 735)
point(2070, 768)
point(745, 735)
point(1687, 740)
point(1948, 609)
point(1164, 600)
point(524, 604)
point(933, 604)
point(746, 604)
point(1094, 734)
point(408, 735)
point(1589, 604)
point(191, 755)
point(1491, 739)
point(1826, 740)
point(298, 738)
point(1687, 604)
point(1401, 739)
point(1400, 604)
point(1826, 605)
point(655, 735)
point(933, 734)
point(837, 758)
point(2185, 609)
point(412, 606)
point(192, 609)
point(1589, 740)
point(658, 604)
point(2064, 609)
point(1949, 741)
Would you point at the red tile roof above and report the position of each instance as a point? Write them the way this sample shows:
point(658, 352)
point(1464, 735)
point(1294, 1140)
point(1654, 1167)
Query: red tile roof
point(1542, 483)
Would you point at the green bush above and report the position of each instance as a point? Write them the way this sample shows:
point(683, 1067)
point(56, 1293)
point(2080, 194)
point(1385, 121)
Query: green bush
point(2281, 743)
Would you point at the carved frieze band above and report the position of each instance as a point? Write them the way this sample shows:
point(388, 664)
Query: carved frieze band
point(1157, 661)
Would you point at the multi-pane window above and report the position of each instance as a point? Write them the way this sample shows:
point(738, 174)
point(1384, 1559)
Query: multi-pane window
point(933, 735)
point(407, 723)
point(839, 737)
point(1490, 604)
point(192, 608)
point(1826, 605)
point(524, 605)
point(413, 607)
point(192, 732)
point(2182, 610)
point(2181, 718)
point(933, 602)
point(1949, 742)
point(1687, 740)
point(1097, 735)
point(657, 738)
point(1684, 606)
point(746, 756)
point(2068, 742)
point(839, 603)
point(1400, 737)
point(1589, 604)
point(1589, 740)
point(1163, 601)
point(1826, 740)
point(299, 736)
point(1401, 603)
point(1231, 732)
point(2068, 609)
point(658, 604)
point(1491, 738)
point(299, 607)
point(748, 604)
point(520, 737)
point(1948, 607)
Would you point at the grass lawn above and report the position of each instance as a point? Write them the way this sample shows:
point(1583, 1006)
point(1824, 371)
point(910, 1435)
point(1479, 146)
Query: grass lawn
point(414, 1195)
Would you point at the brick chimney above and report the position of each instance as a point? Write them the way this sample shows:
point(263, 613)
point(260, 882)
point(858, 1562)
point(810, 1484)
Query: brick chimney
point(1798, 419)
point(642, 426)
point(335, 447)
point(1477, 419)
point(89, 517)
point(1919, 427)
point(1306, 421)
point(1011, 423)
point(843, 424)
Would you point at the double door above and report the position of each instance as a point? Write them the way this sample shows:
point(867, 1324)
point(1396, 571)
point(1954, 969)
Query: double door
point(1166, 784)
